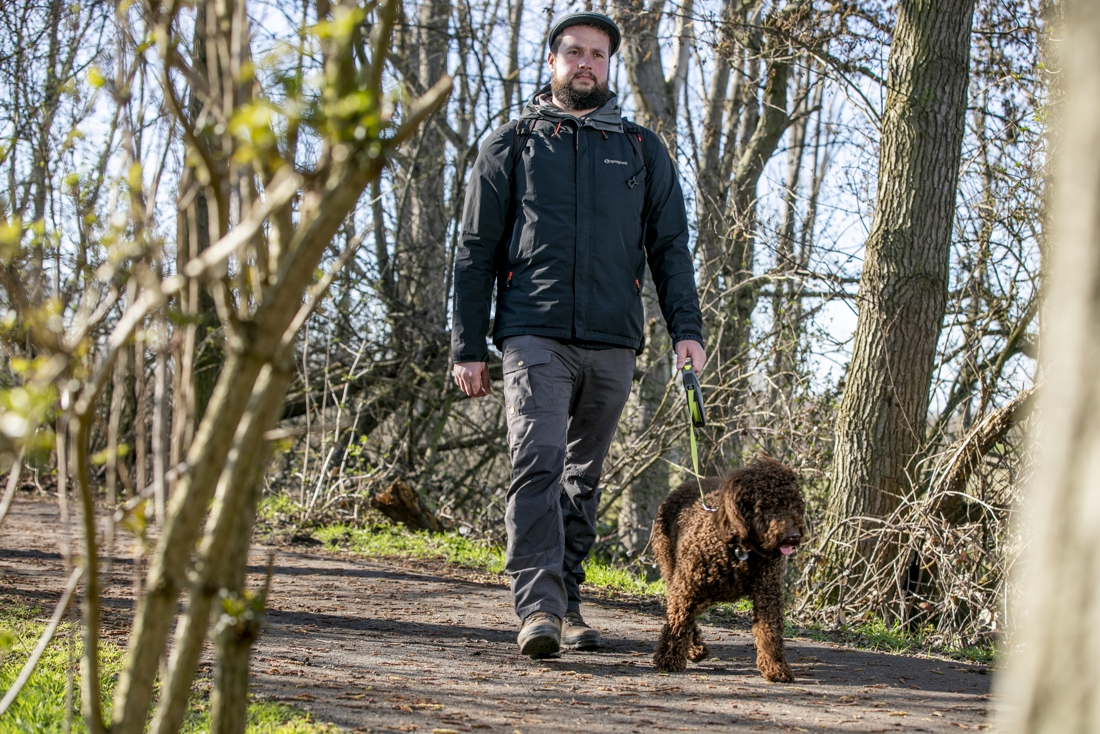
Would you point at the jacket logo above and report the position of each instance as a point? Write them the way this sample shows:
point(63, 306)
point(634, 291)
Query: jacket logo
point(612, 160)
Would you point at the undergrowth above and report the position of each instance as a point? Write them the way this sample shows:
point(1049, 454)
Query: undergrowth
point(40, 706)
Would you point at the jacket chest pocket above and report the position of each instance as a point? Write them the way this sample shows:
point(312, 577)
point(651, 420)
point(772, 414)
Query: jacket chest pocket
point(620, 178)
point(531, 382)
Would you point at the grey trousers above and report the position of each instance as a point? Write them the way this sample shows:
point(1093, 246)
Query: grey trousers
point(563, 404)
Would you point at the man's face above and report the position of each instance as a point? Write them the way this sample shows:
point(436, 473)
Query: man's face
point(579, 68)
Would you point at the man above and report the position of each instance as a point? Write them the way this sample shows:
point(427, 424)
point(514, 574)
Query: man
point(563, 209)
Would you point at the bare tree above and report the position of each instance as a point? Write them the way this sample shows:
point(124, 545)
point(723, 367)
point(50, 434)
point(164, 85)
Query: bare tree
point(903, 289)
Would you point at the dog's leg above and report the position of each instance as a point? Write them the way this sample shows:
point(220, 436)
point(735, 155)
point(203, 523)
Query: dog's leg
point(767, 627)
point(677, 635)
point(698, 651)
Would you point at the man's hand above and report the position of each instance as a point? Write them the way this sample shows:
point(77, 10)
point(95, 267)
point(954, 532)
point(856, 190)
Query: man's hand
point(472, 378)
point(693, 350)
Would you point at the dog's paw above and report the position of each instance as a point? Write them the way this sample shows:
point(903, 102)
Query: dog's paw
point(670, 663)
point(776, 672)
point(698, 653)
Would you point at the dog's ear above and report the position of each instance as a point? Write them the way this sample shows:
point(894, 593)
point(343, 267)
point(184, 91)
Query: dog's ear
point(728, 520)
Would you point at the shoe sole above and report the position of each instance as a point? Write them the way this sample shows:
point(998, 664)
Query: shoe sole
point(584, 643)
point(540, 646)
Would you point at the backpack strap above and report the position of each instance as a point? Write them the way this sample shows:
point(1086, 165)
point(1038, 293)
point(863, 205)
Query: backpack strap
point(519, 142)
point(636, 138)
point(520, 136)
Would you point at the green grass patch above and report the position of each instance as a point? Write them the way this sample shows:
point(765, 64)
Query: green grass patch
point(382, 541)
point(879, 636)
point(603, 576)
point(264, 717)
point(40, 706)
point(726, 611)
point(274, 508)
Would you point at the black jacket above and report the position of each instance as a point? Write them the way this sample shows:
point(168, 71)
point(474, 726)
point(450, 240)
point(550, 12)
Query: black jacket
point(587, 215)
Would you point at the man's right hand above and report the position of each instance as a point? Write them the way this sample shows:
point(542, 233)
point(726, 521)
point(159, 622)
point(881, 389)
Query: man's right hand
point(472, 378)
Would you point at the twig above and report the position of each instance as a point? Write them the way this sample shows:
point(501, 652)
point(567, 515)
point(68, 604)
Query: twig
point(13, 484)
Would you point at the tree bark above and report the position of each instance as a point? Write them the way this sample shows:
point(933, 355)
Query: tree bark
point(421, 243)
point(198, 354)
point(642, 497)
point(654, 96)
point(511, 80)
point(1051, 681)
point(786, 299)
point(903, 287)
point(655, 100)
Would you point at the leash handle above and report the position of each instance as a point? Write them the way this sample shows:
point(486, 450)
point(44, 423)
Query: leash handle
point(697, 416)
point(697, 411)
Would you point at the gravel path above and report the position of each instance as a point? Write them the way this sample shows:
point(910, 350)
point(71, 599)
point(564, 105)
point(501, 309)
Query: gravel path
point(380, 646)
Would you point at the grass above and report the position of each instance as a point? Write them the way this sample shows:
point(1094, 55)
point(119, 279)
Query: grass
point(383, 541)
point(877, 635)
point(390, 541)
point(40, 706)
point(266, 717)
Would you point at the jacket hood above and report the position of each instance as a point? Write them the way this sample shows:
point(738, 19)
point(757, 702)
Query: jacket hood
point(609, 117)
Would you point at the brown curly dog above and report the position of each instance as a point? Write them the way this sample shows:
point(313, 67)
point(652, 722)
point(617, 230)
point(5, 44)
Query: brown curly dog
point(738, 551)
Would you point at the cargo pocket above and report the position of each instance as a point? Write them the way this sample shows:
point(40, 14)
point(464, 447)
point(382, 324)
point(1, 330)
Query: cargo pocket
point(525, 372)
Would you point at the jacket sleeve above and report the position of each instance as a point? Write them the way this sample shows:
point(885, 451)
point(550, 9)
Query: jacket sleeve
point(666, 245)
point(484, 222)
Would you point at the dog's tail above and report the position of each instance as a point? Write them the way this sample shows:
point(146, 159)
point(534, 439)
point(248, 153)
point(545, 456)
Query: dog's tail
point(662, 542)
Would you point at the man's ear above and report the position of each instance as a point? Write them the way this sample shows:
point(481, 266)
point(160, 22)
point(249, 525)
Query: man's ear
point(728, 520)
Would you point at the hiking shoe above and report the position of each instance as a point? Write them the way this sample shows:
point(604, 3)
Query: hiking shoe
point(578, 635)
point(540, 635)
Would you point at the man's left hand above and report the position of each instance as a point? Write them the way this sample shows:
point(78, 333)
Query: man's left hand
point(693, 350)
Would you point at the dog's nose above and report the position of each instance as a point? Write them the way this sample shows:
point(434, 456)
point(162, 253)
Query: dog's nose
point(794, 535)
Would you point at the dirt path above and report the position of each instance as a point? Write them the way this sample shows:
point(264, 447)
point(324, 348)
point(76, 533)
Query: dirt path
point(395, 646)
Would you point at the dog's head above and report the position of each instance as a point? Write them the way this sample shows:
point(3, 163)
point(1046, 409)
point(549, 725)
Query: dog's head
point(761, 508)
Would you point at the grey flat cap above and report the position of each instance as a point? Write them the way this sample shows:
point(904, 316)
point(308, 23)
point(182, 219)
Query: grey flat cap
point(595, 19)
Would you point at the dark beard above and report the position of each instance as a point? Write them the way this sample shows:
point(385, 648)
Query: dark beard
point(576, 99)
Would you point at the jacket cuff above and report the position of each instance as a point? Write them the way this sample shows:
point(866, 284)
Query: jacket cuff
point(469, 357)
point(688, 338)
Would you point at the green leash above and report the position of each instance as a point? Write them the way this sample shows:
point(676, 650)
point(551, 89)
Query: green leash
point(697, 416)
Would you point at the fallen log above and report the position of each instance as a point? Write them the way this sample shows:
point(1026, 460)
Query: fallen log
point(400, 503)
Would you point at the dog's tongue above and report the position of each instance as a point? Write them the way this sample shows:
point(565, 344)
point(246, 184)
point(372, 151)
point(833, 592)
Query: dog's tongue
point(786, 549)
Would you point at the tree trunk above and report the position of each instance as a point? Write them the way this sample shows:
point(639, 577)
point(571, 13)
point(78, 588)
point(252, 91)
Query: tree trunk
point(239, 625)
point(1051, 682)
point(512, 92)
point(421, 243)
point(198, 354)
point(654, 98)
point(655, 101)
point(903, 288)
point(740, 252)
point(642, 497)
point(786, 300)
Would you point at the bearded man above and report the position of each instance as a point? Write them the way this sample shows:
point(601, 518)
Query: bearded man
point(563, 209)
